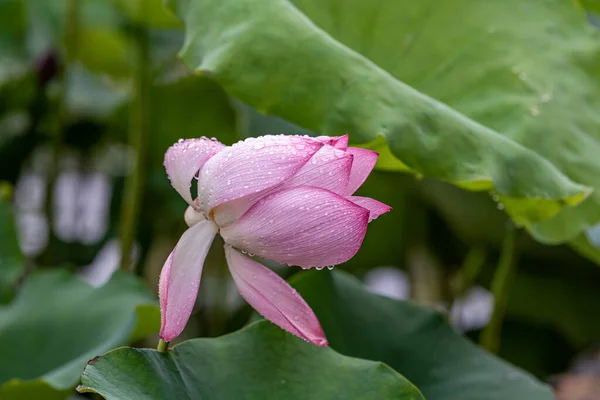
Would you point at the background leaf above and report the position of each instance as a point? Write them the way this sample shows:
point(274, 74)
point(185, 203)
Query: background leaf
point(262, 361)
point(151, 13)
point(414, 341)
point(58, 322)
point(114, 59)
point(12, 28)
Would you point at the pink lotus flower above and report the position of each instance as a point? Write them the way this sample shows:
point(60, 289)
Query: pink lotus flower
point(284, 198)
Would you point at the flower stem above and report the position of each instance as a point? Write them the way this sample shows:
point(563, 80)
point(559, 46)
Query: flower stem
point(138, 116)
point(469, 270)
point(64, 58)
point(424, 268)
point(162, 346)
point(501, 285)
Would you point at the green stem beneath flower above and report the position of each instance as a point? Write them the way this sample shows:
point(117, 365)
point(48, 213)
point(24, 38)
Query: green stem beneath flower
point(501, 285)
point(60, 122)
point(424, 268)
point(162, 346)
point(138, 117)
point(469, 270)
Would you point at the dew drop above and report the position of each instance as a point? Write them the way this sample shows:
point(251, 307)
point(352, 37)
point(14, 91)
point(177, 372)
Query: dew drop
point(534, 110)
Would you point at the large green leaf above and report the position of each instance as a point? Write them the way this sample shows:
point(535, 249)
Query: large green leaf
point(11, 258)
point(58, 322)
point(259, 362)
point(414, 341)
point(272, 57)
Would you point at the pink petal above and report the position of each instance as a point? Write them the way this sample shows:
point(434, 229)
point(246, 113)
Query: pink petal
point(271, 296)
point(364, 161)
point(305, 226)
point(185, 158)
point(376, 208)
point(180, 278)
point(339, 142)
point(252, 166)
point(163, 289)
point(329, 168)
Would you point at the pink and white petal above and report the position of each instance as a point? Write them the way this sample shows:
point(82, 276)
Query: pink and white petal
point(185, 158)
point(163, 288)
point(180, 278)
point(376, 208)
point(274, 298)
point(364, 162)
point(252, 166)
point(329, 168)
point(339, 142)
point(305, 226)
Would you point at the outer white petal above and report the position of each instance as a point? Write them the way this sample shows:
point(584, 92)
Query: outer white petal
point(185, 158)
point(180, 278)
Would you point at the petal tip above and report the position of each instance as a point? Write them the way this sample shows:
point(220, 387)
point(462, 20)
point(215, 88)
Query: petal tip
point(185, 158)
point(321, 342)
point(374, 207)
point(273, 298)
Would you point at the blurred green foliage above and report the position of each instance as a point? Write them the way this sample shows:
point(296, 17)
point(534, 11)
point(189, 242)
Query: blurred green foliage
point(12, 262)
point(58, 322)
